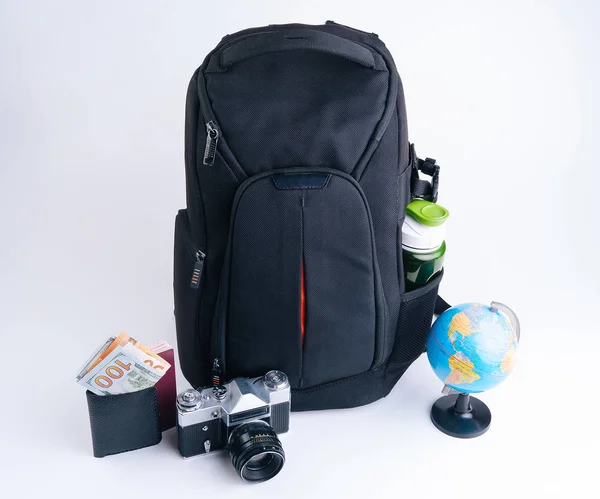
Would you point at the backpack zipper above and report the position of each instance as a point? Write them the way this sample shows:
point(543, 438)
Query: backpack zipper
point(197, 272)
point(217, 372)
point(212, 139)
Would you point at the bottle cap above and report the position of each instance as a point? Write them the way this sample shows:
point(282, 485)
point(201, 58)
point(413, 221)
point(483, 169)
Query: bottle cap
point(427, 213)
point(424, 228)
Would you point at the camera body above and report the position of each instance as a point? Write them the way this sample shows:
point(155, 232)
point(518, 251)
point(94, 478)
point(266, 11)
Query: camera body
point(207, 418)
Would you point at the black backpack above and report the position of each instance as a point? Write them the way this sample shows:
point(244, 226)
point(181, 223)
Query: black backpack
point(288, 256)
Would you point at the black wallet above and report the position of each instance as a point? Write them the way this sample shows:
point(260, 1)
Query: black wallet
point(124, 422)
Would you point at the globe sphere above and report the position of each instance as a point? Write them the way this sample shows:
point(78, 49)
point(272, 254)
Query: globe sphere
point(472, 347)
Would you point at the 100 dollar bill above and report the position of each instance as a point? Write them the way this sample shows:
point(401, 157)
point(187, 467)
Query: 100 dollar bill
point(92, 361)
point(121, 372)
point(140, 352)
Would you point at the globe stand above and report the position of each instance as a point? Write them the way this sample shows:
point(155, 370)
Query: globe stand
point(461, 416)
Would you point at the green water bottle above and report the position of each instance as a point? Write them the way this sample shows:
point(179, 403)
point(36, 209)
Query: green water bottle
point(423, 245)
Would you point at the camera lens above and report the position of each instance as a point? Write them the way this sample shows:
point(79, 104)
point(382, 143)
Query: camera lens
point(259, 462)
point(256, 452)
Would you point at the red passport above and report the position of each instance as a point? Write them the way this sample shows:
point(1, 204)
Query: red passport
point(166, 389)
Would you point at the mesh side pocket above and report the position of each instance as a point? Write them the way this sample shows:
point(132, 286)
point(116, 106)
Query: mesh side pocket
point(414, 323)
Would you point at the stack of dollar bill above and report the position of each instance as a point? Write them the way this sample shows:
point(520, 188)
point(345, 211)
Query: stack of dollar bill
point(122, 365)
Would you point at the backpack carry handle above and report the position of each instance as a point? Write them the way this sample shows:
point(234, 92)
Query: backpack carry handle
point(300, 39)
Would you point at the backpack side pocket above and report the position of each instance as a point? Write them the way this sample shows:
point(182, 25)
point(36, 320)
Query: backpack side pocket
point(414, 323)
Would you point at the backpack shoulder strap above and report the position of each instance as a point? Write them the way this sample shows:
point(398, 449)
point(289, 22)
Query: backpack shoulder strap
point(441, 305)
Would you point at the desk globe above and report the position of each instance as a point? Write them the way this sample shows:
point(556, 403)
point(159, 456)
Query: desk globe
point(471, 347)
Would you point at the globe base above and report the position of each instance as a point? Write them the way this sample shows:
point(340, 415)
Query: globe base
point(461, 416)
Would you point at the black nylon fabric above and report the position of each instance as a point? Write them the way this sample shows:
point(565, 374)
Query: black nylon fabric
point(187, 300)
point(441, 305)
point(302, 39)
point(386, 202)
point(289, 117)
point(288, 99)
point(341, 321)
point(264, 284)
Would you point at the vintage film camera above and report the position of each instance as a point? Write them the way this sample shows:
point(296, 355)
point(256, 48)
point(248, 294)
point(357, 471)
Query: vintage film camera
point(243, 416)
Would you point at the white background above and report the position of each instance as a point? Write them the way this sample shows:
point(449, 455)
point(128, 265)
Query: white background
point(503, 94)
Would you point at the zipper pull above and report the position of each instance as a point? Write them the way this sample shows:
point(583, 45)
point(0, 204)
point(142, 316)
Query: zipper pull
point(212, 137)
point(197, 273)
point(217, 372)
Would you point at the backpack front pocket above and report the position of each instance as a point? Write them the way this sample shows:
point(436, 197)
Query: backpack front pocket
point(300, 289)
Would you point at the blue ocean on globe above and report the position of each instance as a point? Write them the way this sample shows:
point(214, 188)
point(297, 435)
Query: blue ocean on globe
point(472, 348)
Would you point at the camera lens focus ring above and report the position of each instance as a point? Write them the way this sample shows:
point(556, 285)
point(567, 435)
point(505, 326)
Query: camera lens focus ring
point(256, 452)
